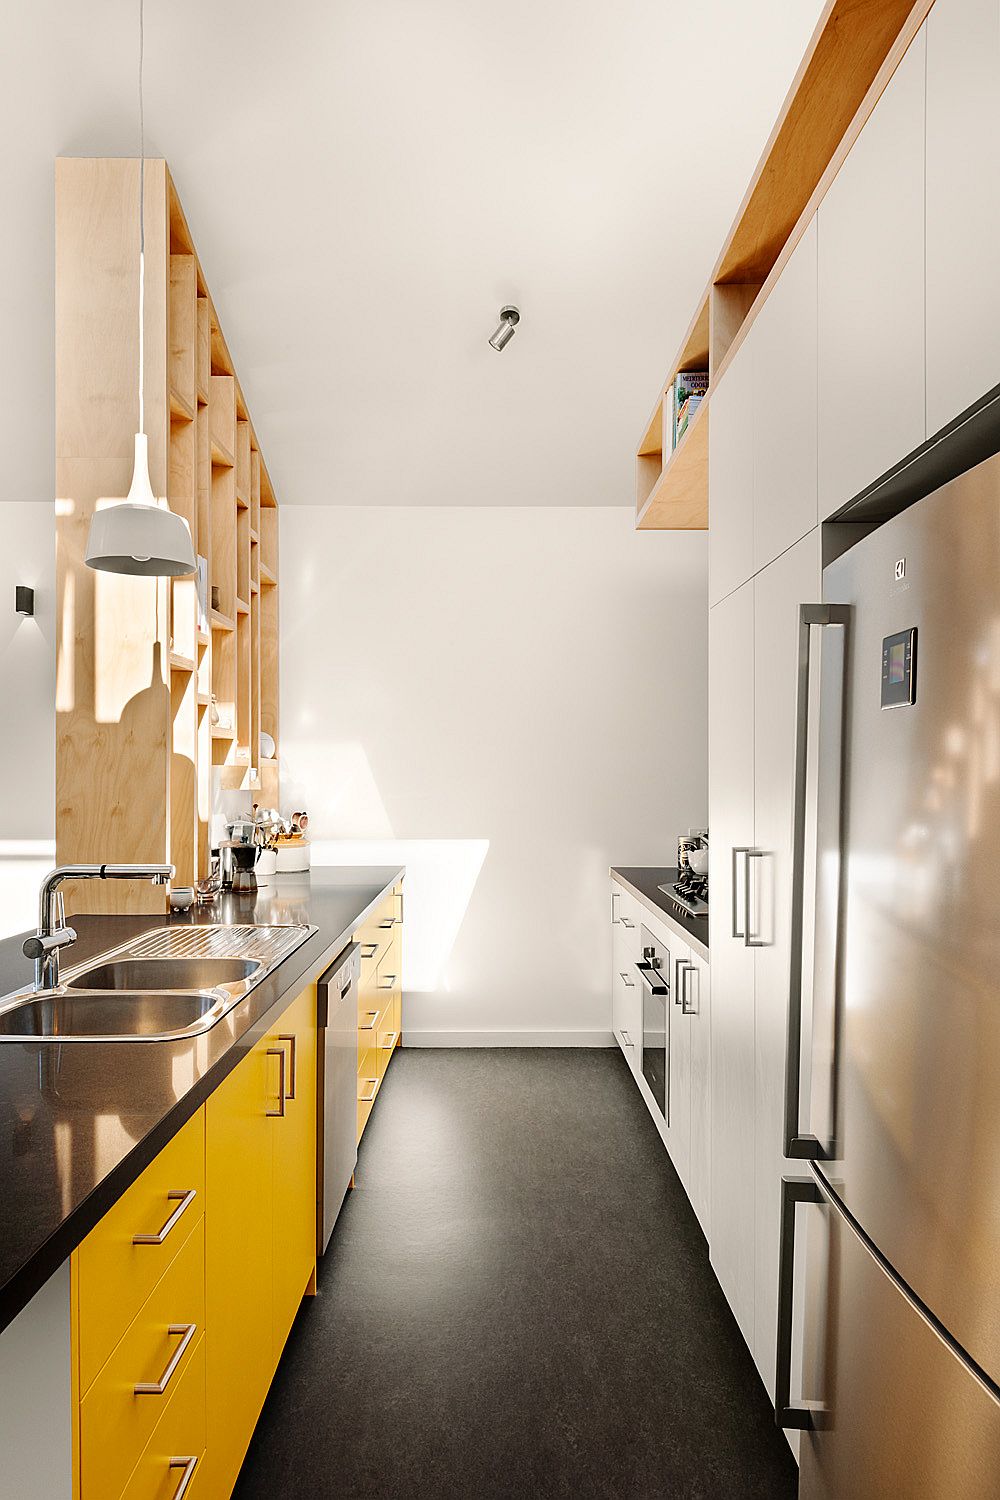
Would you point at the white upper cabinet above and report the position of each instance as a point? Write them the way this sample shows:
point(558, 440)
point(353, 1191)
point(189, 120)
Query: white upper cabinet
point(730, 476)
point(871, 294)
point(963, 205)
point(785, 415)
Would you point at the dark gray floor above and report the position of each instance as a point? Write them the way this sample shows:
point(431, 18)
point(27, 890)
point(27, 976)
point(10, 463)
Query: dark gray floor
point(516, 1301)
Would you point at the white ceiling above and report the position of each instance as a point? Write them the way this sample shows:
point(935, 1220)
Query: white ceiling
point(368, 180)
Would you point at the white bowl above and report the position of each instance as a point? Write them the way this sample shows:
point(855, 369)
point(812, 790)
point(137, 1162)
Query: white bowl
point(698, 860)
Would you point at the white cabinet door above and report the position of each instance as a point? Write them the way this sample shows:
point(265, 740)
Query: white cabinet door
point(626, 1003)
point(678, 1110)
point(730, 798)
point(730, 476)
point(784, 403)
point(871, 295)
point(795, 578)
point(697, 1001)
point(963, 205)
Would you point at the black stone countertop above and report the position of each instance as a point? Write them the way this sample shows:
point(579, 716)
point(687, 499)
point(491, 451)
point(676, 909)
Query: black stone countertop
point(644, 883)
point(80, 1120)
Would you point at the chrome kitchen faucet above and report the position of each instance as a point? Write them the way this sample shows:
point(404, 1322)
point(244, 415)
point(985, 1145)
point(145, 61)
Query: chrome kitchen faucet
point(53, 933)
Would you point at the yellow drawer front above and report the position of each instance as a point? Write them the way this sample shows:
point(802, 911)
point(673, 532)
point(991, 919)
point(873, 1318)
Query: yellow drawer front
point(177, 1446)
point(114, 1274)
point(116, 1421)
point(367, 1059)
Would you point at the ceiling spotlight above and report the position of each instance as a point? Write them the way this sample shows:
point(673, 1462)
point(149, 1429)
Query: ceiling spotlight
point(509, 319)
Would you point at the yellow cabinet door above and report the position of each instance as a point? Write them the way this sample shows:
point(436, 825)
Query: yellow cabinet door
point(293, 1133)
point(238, 1261)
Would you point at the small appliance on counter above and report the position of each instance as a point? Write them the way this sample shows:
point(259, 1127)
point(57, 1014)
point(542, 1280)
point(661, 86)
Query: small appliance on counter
point(690, 890)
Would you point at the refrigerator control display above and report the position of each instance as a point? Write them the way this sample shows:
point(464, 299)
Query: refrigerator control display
point(899, 669)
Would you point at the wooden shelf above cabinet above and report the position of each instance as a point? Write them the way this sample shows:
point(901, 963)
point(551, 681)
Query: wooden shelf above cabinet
point(850, 58)
point(220, 621)
point(678, 501)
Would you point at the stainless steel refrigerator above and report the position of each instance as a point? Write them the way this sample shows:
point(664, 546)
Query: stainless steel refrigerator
point(889, 1317)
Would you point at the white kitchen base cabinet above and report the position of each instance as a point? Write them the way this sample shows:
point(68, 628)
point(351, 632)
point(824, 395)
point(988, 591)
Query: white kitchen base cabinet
point(685, 1127)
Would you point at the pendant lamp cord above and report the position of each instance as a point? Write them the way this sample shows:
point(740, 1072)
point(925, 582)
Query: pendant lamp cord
point(142, 226)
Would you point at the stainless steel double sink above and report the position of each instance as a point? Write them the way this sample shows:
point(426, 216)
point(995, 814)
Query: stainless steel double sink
point(167, 984)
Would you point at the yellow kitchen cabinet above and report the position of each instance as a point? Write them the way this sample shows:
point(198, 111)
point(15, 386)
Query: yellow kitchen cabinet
point(379, 998)
point(133, 1390)
point(294, 1167)
point(261, 1227)
point(176, 1451)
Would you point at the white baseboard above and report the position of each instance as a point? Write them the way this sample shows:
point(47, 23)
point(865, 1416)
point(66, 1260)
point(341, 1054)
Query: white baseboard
point(412, 1038)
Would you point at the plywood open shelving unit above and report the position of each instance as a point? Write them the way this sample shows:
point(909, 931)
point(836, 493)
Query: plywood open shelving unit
point(851, 56)
point(137, 666)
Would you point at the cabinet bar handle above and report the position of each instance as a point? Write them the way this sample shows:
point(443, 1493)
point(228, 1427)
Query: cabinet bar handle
point(737, 851)
point(626, 1038)
point(390, 1041)
point(367, 1098)
point(629, 983)
point(387, 925)
point(626, 923)
point(390, 982)
point(289, 1037)
point(183, 1197)
point(188, 1465)
point(186, 1331)
point(369, 950)
point(279, 1053)
point(373, 1016)
point(748, 939)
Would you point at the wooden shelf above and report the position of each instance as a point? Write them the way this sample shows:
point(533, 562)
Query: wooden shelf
point(204, 699)
point(242, 608)
point(222, 458)
point(219, 733)
point(851, 56)
point(180, 663)
point(204, 638)
point(678, 501)
point(221, 621)
point(267, 578)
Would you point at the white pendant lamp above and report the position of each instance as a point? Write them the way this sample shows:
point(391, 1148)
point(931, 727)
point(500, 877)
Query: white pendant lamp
point(139, 536)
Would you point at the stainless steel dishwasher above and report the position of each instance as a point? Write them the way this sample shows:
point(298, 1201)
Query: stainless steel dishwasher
point(337, 1144)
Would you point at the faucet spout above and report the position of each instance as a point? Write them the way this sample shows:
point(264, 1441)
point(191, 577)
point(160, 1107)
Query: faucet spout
point(53, 933)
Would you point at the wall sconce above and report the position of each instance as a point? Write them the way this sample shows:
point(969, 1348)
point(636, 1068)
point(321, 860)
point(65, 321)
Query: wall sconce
point(24, 600)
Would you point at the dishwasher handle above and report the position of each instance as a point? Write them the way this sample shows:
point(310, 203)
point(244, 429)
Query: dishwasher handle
point(338, 979)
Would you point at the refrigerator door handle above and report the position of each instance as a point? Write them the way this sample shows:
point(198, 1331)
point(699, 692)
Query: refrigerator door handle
point(793, 1190)
point(798, 1145)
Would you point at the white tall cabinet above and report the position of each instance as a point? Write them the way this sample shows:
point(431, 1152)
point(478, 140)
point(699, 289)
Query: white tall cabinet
point(963, 205)
point(871, 295)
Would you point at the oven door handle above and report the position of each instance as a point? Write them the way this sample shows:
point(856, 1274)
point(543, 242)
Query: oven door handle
point(645, 971)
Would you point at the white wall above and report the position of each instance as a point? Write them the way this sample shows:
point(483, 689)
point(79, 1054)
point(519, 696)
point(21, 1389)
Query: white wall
point(27, 726)
point(510, 699)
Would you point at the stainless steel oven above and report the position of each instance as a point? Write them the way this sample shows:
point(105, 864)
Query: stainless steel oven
point(654, 972)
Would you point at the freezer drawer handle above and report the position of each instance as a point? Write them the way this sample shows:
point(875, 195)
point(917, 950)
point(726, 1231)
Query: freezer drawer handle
point(793, 1190)
point(799, 1146)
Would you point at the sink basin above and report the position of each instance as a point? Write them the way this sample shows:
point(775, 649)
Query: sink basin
point(123, 1014)
point(146, 974)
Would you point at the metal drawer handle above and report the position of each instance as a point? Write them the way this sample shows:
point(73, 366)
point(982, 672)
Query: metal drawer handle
point(373, 1016)
point(279, 1053)
point(390, 983)
point(793, 1190)
point(288, 1037)
point(626, 923)
point(387, 925)
point(369, 950)
point(687, 1008)
point(390, 1041)
point(629, 983)
point(626, 1038)
point(188, 1465)
point(367, 1098)
point(183, 1197)
point(749, 940)
point(186, 1332)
